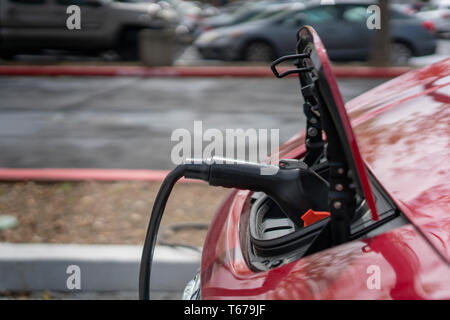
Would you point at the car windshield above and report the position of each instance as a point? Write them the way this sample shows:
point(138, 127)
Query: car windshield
point(246, 13)
point(267, 14)
point(283, 15)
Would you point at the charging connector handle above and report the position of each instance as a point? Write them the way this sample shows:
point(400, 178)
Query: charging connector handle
point(293, 186)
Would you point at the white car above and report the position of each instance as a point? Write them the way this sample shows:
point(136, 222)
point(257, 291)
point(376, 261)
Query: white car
point(439, 14)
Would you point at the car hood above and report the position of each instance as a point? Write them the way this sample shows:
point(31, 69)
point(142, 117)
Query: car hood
point(243, 27)
point(403, 130)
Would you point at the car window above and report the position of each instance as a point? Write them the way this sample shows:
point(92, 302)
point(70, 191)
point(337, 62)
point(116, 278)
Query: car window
point(312, 16)
point(320, 15)
point(355, 14)
point(360, 14)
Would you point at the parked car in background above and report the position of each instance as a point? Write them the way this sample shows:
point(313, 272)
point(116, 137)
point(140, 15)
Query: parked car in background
point(241, 14)
point(190, 13)
point(30, 26)
point(342, 27)
point(439, 14)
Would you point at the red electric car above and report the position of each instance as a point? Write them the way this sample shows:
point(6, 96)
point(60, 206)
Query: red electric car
point(385, 234)
point(403, 135)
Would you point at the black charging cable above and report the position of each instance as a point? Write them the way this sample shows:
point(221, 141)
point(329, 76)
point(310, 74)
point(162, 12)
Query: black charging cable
point(293, 186)
point(152, 230)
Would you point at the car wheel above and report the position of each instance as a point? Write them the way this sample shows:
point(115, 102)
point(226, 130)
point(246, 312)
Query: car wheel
point(259, 51)
point(400, 53)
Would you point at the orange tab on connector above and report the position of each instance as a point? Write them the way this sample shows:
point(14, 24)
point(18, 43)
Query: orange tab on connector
point(311, 217)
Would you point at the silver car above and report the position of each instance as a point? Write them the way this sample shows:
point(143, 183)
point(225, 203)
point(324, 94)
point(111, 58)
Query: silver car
point(439, 14)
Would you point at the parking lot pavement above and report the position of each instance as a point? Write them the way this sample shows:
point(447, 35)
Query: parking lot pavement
point(127, 122)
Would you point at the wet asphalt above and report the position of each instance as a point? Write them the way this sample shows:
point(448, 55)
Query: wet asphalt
point(77, 122)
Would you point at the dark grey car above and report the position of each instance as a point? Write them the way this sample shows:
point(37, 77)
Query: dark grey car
point(28, 26)
point(342, 27)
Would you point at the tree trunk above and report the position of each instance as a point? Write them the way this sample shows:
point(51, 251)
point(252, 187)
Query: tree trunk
point(381, 42)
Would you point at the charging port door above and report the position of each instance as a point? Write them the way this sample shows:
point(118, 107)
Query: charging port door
point(347, 170)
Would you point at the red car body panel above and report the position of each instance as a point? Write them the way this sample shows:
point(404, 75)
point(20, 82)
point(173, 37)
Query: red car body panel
point(403, 132)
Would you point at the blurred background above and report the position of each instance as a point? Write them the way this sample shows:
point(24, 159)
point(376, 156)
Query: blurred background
point(126, 121)
point(215, 32)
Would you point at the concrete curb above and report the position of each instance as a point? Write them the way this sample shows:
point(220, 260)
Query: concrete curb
point(37, 267)
point(194, 71)
point(51, 174)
